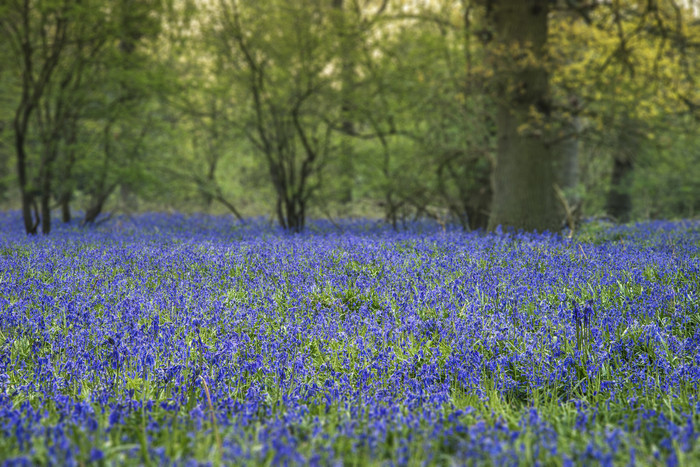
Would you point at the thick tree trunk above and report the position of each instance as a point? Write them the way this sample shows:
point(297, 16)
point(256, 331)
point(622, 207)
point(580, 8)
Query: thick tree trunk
point(619, 203)
point(294, 211)
point(97, 203)
point(524, 174)
point(26, 195)
point(65, 207)
point(45, 213)
point(524, 197)
point(93, 211)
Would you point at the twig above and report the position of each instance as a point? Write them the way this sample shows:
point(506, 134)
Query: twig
point(567, 210)
point(217, 436)
point(583, 252)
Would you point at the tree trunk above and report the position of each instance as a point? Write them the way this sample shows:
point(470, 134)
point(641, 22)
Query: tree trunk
point(45, 175)
point(347, 162)
point(629, 143)
point(619, 203)
point(210, 181)
point(295, 213)
point(524, 174)
point(26, 194)
point(45, 210)
point(97, 203)
point(65, 207)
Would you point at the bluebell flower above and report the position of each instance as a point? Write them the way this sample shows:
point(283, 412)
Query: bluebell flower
point(96, 455)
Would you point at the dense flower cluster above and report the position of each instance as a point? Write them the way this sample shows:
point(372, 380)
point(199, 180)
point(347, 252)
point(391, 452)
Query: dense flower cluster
point(165, 339)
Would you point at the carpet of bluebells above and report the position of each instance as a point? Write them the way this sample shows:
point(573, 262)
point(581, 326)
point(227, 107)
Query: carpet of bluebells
point(167, 339)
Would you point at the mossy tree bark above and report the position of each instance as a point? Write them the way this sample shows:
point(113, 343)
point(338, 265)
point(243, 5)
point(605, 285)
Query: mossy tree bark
point(524, 174)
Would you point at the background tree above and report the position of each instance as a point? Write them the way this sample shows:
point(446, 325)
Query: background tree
point(58, 48)
point(39, 37)
point(524, 173)
point(633, 67)
point(375, 108)
point(527, 116)
point(202, 105)
point(117, 131)
point(282, 54)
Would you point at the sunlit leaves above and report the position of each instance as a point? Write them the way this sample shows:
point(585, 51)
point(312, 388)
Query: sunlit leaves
point(631, 61)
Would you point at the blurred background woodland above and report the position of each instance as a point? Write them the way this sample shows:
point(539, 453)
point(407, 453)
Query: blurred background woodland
point(525, 113)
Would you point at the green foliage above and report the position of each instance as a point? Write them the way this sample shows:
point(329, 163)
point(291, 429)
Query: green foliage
point(666, 183)
point(379, 109)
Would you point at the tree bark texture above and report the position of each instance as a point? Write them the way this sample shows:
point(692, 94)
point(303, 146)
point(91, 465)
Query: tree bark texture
point(525, 170)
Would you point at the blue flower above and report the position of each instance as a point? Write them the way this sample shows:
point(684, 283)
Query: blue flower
point(96, 455)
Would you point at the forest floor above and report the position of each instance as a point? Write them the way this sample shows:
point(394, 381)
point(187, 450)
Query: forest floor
point(164, 339)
